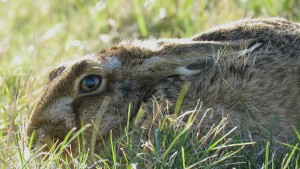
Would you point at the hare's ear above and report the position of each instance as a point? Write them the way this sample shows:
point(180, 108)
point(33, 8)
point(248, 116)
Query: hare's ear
point(192, 58)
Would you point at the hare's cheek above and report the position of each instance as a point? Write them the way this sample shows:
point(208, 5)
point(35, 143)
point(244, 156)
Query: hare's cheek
point(61, 112)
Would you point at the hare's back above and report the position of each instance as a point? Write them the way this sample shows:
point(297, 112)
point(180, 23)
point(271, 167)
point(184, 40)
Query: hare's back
point(278, 32)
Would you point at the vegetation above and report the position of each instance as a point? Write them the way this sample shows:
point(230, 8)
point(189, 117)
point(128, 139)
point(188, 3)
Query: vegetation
point(36, 35)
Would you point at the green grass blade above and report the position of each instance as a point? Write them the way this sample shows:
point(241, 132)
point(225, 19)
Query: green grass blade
point(156, 143)
point(296, 132)
point(290, 157)
point(140, 18)
point(175, 141)
point(113, 151)
point(100, 113)
point(183, 157)
point(267, 155)
point(227, 156)
point(181, 95)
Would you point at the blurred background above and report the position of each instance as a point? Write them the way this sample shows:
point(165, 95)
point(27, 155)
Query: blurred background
point(36, 35)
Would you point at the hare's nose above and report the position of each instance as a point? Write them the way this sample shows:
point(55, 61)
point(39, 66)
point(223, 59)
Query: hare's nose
point(41, 141)
point(44, 143)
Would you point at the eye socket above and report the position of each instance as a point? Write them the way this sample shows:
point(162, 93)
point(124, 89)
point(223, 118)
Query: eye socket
point(89, 83)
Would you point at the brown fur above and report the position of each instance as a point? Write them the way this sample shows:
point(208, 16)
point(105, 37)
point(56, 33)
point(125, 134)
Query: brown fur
point(248, 67)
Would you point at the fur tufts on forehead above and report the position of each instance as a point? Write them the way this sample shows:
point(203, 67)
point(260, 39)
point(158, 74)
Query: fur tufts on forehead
point(74, 64)
point(127, 54)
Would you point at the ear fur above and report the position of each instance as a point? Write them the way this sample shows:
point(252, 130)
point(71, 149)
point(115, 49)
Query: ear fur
point(185, 59)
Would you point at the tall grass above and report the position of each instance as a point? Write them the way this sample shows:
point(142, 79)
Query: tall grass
point(35, 35)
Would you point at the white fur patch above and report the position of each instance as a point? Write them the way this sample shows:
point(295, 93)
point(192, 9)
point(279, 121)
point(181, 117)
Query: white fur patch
point(247, 51)
point(150, 44)
point(64, 101)
point(186, 72)
point(112, 63)
point(153, 60)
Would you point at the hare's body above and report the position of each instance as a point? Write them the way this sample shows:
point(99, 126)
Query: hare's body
point(249, 70)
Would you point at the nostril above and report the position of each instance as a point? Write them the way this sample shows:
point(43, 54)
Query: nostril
point(44, 142)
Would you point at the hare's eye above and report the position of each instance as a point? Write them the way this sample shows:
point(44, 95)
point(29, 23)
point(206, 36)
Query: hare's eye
point(89, 83)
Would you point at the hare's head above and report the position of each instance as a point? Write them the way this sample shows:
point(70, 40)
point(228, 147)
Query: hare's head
point(123, 75)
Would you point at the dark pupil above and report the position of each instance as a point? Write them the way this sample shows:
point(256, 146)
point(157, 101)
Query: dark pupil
point(90, 82)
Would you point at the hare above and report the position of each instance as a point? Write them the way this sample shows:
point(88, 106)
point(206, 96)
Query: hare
point(243, 69)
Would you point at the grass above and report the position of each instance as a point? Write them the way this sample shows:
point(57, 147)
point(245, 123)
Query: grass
point(37, 35)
